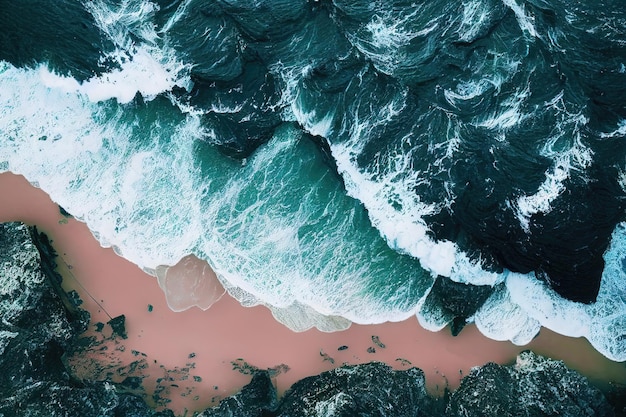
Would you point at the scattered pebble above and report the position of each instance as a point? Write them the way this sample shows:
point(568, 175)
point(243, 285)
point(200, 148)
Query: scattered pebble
point(344, 347)
point(377, 342)
point(326, 357)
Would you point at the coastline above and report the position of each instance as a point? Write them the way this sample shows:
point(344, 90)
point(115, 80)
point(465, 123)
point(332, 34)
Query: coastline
point(212, 340)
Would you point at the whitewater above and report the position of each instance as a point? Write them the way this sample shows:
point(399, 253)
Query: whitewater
point(336, 187)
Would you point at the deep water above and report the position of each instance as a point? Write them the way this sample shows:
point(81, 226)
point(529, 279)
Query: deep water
point(332, 159)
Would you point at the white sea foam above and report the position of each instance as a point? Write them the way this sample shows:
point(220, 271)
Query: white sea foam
point(568, 153)
point(147, 65)
point(141, 73)
point(475, 15)
point(502, 319)
point(312, 122)
point(144, 190)
point(541, 202)
point(516, 310)
point(141, 188)
point(126, 21)
point(383, 39)
point(392, 205)
point(80, 152)
point(404, 229)
point(526, 22)
point(508, 114)
point(620, 131)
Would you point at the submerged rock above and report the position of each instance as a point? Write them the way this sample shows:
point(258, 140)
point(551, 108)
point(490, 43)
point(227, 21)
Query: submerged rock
point(36, 330)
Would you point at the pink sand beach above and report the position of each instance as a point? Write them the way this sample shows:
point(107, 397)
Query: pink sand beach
point(194, 357)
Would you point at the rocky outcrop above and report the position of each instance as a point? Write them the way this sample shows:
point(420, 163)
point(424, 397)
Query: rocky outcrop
point(257, 399)
point(36, 330)
point(455, 302)
point(533, 386)
point(371, 389)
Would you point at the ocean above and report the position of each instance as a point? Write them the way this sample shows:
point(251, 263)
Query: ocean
point(337, 161)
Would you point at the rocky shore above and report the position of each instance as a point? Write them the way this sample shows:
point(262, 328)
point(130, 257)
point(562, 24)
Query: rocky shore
point(534, 386)
point(41, 326)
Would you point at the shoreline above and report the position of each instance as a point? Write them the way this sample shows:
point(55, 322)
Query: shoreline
point(206, 354)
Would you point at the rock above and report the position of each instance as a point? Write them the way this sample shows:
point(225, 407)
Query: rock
point(533, 386)
point(257, 399)
point(456, 302)
point(617, 398)
point(372, 389)
point(36, 330)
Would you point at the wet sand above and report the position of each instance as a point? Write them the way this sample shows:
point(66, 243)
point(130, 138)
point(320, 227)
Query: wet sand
point(193, 358)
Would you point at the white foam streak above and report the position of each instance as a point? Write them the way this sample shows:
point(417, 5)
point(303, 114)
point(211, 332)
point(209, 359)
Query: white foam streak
point(541, 202)
point(501, 319)
point(402, 227)
point(176, 16)
point(121, 19)
point(315, 125)
point(619, 132)
point(569, 154)
point(475, 14)
point(544, 305)
point(147, 65)
point(388, 32)
point(509, 113)
point(466, 90)
point(516, 310)
point(526, 22)
point(141, 74)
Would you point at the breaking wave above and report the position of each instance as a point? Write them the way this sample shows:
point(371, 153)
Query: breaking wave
point(333, 160)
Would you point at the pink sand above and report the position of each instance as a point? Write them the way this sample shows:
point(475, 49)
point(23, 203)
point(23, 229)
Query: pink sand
point(203, 344)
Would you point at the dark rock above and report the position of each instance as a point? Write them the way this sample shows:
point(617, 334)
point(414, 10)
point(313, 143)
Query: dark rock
point(487, 391)
point(377, 342)
point(371, 389)
point(37, 329)
point(533, 386)
point(617, 398)
point(455, 301)
point(64, 212)
point(47, 263)
point(257, 399)
point(118, 324)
